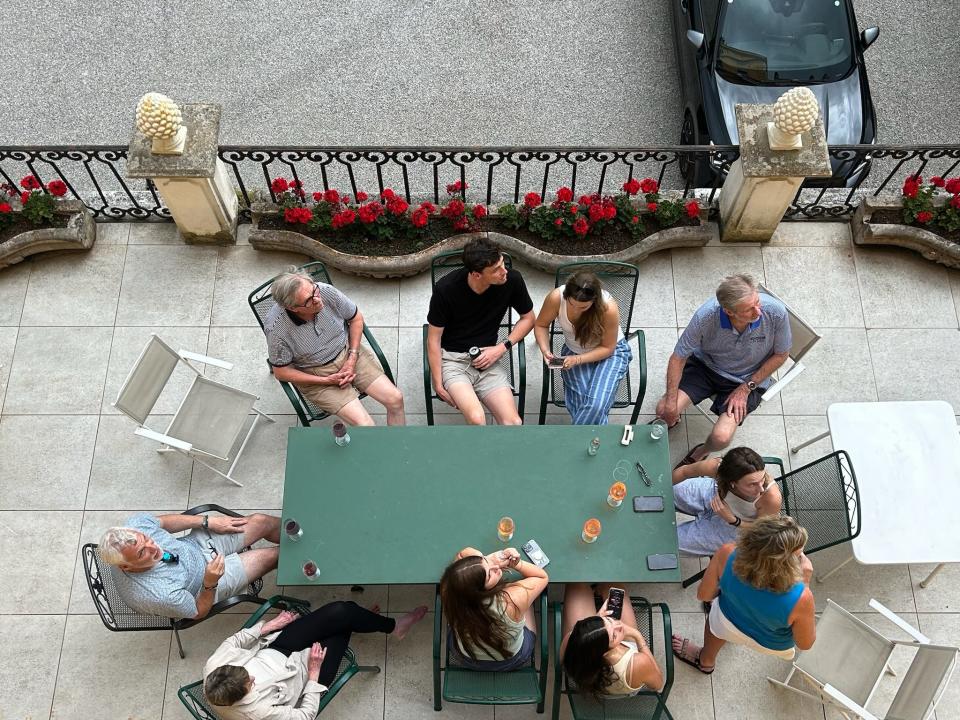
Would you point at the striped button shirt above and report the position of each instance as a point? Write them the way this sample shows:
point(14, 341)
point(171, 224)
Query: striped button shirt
point(309, 343)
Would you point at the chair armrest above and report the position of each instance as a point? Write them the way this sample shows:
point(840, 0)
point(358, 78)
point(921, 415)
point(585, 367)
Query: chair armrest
point(849, 704)
point(163, 439)
point(899, 622)
point(375, 346)
point(205, 359)
point(791, 375)
point(211, 507)
point(521, 374)
point(280, 601)
point(642, 372)
point(437, 626)
point(294, 399)
point(544, 632)
point(667, 650)
point(557, 639)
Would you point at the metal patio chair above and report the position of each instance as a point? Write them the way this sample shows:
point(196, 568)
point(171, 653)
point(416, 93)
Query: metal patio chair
point(261, 302)
point(620, 280)
point(523, 686)
point(118, 617)
point(645, 705)
point(192, 695)
point(441, 266)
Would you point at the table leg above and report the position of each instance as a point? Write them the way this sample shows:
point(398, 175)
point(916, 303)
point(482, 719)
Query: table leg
point(821, 578)
point(933, 573)
point(811, 441)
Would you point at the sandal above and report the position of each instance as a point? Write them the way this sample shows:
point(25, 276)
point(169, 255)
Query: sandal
point(688, 458)
point(690, 658)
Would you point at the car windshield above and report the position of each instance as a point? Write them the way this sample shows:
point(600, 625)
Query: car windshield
point(784, 41)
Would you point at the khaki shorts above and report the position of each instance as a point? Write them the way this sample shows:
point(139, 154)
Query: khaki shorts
point(456, 368)
point(331, 398)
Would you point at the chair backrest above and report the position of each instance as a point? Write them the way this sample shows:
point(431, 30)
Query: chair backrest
point(114, 613)
point(804, 336)
point(923, 683)
point(848, 654)
point(824, 498)
point(261, 301)
point(618, 279)
point(146, 380)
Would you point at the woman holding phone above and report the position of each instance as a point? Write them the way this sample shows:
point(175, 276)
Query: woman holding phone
point(595, 356)
point(602, 651)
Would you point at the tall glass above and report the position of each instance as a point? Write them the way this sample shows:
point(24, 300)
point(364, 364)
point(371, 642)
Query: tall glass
point(591, 530)
point(505, 529)
point(658, 428)
point(593, 447)
point(616, 494)
point(310, 571)
point(340, 435)
point(293, 530)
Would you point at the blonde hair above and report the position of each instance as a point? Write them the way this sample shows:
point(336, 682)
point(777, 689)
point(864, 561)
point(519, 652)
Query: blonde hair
point(767, 553)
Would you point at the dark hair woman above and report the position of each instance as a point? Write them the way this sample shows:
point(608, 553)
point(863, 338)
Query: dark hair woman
point(491, 619)
point(595, 354)
point(722, 495)
point(601, 655)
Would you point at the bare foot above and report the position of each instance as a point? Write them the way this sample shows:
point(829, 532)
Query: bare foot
point(408, 621)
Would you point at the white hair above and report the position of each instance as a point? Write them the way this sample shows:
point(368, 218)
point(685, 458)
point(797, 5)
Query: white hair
point(112, 544)
point(734, 290)
point(285, 288)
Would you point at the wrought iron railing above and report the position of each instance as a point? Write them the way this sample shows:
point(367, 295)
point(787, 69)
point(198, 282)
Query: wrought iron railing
point(97, 174)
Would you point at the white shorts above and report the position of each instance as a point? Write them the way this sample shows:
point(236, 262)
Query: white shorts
point(726, 630)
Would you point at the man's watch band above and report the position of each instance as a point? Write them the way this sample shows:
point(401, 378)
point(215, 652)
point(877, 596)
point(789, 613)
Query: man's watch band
point(751, 385)
point(352, 351)
point(205, 523)
point(211, 587)
point(508, 343)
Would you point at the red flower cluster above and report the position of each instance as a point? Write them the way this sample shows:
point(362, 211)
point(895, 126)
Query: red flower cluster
point(57, 188)
point(599, 208)
point(532, 200)
point(455, 187)
point(397, 205)
point(298, 215)
point(342, 219)
point(581, 226)
point(361, 196)
point(952, 185)
point(924, 216)
point(652, 207)
point(692, 208)
point(564, 195)
point(955, 202)
point(5, 208)
point(454, 209)
point(632, 186)
point(370, 212)
point(420, 217)
point(911, 186)
point(30, 183)
point(648, 186)
point(479, 211)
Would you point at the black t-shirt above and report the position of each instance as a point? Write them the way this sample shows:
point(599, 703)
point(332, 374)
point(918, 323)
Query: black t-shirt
point(468, 318)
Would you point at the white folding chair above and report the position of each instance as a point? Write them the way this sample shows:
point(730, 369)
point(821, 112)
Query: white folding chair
point(803, 338)
point(847, 662)
point(210, 418)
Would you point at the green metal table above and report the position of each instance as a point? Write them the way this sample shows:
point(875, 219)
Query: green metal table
point(397, 503)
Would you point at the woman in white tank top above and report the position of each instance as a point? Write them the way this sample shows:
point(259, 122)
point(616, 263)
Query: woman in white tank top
point(595, 354)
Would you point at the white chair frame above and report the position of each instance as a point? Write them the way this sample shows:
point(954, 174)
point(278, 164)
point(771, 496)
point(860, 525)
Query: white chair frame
point(147, 379)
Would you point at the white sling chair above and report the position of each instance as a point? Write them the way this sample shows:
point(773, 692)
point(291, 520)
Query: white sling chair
point(803, 337)
point(846, 663)
point(210, 418)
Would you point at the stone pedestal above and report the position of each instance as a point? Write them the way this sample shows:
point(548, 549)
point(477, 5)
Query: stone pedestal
point(196, 185)
point(762, 183)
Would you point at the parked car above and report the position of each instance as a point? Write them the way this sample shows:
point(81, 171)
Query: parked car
point(752, 51)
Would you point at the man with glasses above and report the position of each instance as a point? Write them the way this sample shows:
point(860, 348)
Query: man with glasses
point(728, 352)
point(466, 309)
point(313, 341)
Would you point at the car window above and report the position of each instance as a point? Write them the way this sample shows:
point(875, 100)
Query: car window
point(708, 11)
point(784, 41)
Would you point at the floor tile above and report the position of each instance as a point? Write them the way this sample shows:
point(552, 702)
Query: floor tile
point(8, 341)
point(246, 348)
point(827, 298)
point(902, 290)
point(692, 695)
point(93, 279)
point(31, 646)
point(36, 478)
point(170, 286)
point(944, 629)
point(13, 289)
point(404, 598)
point(809, 234)
point(240, 270)
point(854, 584)
point(698, 271)
point(414, 300)
point(801, 428)
point(914, 364)
point(35, 571)
point(763, 433)
point(954, 276)
point(320, 595)
point(154, 233)
point(42, 382)
point(838, 369)
point(113, 233)
point(378, 300)
point(655, 304)
point(410, 381)
point(129, 342)
point(129, 472)
point(93, 659)
point(943, 592)
point(660, 343)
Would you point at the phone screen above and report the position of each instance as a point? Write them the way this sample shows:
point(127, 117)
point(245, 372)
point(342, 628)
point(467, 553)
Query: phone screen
point(615, 602)
point(557, 362)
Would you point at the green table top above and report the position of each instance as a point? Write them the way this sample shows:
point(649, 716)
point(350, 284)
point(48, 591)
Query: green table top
point(396, 504)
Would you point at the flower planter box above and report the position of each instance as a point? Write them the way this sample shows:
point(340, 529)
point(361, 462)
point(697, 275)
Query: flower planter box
point(78, 234)
point(417, 262)
point(929, 244)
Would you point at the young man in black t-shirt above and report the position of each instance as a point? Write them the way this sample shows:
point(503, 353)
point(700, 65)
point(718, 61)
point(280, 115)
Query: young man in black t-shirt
point(465, 311)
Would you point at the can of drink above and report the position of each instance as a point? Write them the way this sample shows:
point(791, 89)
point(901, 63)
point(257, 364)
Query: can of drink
point(474, 352)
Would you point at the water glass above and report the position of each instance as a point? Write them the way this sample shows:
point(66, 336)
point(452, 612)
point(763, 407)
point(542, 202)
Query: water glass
point(591, 530)
point(505, 529)
point(658, 428)
point(340, 435)
point(293, 530)
point(593, 447)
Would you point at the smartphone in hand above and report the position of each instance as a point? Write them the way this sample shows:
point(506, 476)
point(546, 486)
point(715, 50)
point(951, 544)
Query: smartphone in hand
point(615, 602)
point(555, 363)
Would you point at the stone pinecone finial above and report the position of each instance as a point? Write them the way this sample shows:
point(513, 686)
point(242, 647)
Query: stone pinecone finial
point(158, 116)
point(796, 111)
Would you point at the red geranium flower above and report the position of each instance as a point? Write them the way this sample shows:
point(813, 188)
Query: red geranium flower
point(532, 200)
point(610, 211)
point(597, 212)
point(649, 185)
point(952, 185)
point(955, 202)
point(564, 194)
point(420, 217)
point(29, 182)
point(574, 209)
point(479, 211)
point(388, 194)
point(317, 196)
point(397, 206)
point(632, 187)
point(279, 185)
point(652, 206)
point(298, 215)
point(370, 212)
point(587, 200)
point(693, 209)
point(24, 196)
point(456, 187)
point(57, 188)
point(455, 208)
point(924, 216)
point(428, 207)
point(635, 219)
point(558, 222)
point(910, 188)
point(937, 181)
point(332, 197)
point(461, 224)
point(343, 218)
point(581, 226)
point(361, 196)
point(5, 208)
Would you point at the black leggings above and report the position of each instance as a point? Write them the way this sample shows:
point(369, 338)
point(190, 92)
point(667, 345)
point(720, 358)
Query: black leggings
point(330, 626)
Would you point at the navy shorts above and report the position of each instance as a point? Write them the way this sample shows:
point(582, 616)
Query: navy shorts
point(700, 382)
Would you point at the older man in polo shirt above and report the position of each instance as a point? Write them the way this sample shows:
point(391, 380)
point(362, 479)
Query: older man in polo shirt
point(313, 340)
point(728, 352)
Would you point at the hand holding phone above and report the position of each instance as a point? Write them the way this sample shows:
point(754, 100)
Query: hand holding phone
point(615, 602)
point(555, 363)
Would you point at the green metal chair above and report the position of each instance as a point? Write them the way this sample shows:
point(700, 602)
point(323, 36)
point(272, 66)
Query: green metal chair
point(442, 265)
point(261, 301)
point(620, 280)
point(646, 704)
point(524, 686)
point(192, 695)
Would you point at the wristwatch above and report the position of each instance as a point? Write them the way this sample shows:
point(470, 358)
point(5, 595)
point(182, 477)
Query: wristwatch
point(212, 587)
point(751, 385)
point(508, 343)
point(205, 524)
point(352, 351)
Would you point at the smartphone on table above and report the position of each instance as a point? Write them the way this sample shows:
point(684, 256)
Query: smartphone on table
point(615, 602)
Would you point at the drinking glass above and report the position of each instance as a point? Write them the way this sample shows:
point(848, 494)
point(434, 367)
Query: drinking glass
point(616, 494)
point(310, 571)
point(293, 530)
point(340, 435)
point(658, 428)
point(505, 529)
point(594, 446)
point(591, 530)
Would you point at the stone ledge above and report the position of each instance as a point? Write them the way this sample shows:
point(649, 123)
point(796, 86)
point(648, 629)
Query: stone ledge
point(79, 234)
point(929, 244)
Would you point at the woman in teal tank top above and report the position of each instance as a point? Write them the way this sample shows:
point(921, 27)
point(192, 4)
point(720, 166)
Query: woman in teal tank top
point(759, 594)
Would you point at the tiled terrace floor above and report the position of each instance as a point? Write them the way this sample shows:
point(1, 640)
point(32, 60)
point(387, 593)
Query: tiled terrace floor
point(71, 326)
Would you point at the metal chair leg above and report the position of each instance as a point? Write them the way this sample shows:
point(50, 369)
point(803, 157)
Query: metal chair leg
point(932, 575)
point(368, 668)
point(176, 634)
point(797, 448)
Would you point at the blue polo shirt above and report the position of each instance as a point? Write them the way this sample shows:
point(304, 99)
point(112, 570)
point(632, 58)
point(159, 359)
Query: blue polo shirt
point(712, 339)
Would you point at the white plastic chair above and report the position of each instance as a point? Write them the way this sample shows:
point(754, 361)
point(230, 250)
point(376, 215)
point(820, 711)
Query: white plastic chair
point(849, 658)
point(210, 418)
point(803, 338)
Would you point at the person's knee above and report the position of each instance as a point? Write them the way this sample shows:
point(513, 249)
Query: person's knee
point(392, 398)
point(475, 416)
point(266, 522)
point(513, 419)
point(720, 437)
point(339, 611)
